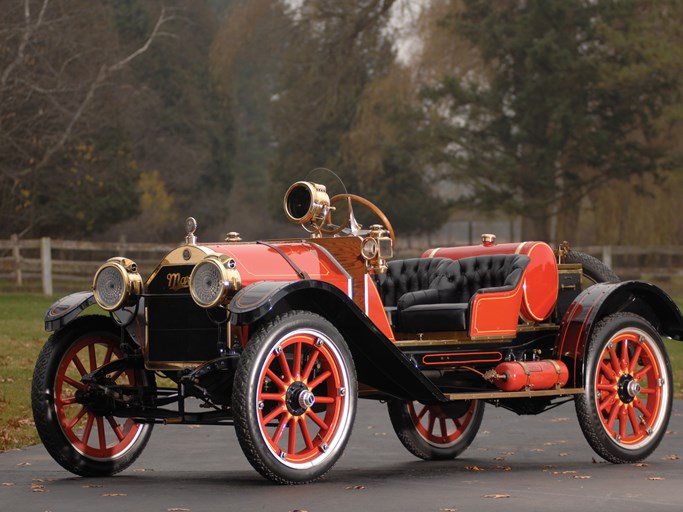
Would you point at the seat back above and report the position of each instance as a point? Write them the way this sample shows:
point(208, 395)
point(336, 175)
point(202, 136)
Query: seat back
point(409, 275)
point(459, 280)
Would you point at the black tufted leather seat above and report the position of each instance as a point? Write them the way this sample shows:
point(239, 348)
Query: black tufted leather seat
point(443, 303)
point(403, 276)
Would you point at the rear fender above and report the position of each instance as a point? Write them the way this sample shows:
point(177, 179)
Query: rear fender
point(67, 309)
point(602, 299)
point(379, 363)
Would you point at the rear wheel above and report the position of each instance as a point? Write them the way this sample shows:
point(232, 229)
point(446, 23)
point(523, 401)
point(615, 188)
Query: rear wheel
point(294, 398)
point(434, 432)
point(80, 440)
point(627, 404)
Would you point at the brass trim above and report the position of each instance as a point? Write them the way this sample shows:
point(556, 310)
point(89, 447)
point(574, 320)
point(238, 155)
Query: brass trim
point(538, 327)
point(496, 395)
point(569, 268)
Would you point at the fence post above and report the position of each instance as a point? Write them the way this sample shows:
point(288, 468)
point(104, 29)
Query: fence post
point(607, 255)
point(46, 264)
point(16, 254)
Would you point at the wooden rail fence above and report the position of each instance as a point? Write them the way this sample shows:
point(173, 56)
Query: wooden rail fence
point(44, 263)
point(25, 263)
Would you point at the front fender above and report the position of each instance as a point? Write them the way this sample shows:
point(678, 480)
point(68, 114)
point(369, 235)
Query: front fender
point(379, 363)
point(66, 309)
point(602, 299)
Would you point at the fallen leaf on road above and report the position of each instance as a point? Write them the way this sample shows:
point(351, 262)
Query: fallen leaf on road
point(474, 468)
point(672, 457)
point(496, 496)
point(567, 472)
point(640, 465)
point(582, 477)
point(355, 487)
point(23, 464)
point(7, 484)
point(92, 486)
point(179, 509)
point(113, 494)
point(655, 478)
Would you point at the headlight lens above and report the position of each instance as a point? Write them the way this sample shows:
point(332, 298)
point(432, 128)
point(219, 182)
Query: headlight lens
point(213, 280)
point(369, 248)
point(116, 284)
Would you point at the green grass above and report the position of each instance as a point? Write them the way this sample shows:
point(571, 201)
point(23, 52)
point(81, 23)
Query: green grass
point(22, 336)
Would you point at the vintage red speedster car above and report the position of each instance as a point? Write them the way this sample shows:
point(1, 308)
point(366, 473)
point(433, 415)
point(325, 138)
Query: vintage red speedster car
point(280, 338)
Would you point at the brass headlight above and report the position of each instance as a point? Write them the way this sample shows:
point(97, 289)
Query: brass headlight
point(116, 284)
point(307, 203)
point(214, 280)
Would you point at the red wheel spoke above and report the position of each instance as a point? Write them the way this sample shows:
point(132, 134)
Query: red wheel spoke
point(68, 401)
point(116, 428)
point(116, 376)
point(316, 419)
point(278, 382)
point(77, 418)
point(625, 361)
point(321, 378)
point(648, 391)
point(79, 365)
point(638, 376)
point(431, 422)
point(607, 371)
point(75, 383)
point(605, 387)
point(442, 425)
point(272, 396)
point(274, 414)
point(638, 404)
point(88, 428)
point(296, 364)
point(107, 357)
point(325, 399)
point(278, 432)
point(609, 400)
point(309, 365)
point(634, 359)
point(424, 411)
point(634, 421)
point(93, 357)
point(291, 442)
point(101, 432)
point(306, 434)
point(284, 366)
point(614, 412)
point(622, 421)
point(614, 360)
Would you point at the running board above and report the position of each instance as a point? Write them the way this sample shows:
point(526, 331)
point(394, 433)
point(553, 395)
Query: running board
point(498, 395)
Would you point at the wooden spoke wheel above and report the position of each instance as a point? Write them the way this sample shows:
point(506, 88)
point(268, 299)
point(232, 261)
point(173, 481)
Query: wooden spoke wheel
point(83, 441)
point(433, 432)
point(294, 398)
point(626, 408)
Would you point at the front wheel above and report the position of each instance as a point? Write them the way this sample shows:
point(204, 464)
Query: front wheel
point(294, 398)
point(627, 404)
point(84, 442)
point(436, 432)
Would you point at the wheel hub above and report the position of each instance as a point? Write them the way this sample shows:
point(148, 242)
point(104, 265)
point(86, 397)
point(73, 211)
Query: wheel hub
point(628, 388)
point(299, 398)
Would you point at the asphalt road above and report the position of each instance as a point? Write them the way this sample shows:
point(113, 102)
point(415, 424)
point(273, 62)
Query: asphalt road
point(515, 464)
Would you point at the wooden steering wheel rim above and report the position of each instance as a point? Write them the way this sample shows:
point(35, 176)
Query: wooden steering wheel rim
point(371, 206)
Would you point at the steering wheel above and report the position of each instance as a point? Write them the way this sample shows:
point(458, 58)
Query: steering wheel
point(369, 205)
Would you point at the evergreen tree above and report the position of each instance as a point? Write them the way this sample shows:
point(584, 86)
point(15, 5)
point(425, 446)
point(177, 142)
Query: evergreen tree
point(569, 98)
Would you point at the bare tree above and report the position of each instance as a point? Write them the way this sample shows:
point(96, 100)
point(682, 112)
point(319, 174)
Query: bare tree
point(56, 57)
